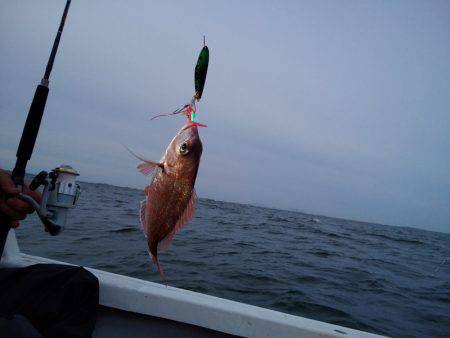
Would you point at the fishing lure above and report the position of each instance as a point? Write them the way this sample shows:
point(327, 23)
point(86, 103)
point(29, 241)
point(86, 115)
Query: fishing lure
point(190, 109)
point(201, 68)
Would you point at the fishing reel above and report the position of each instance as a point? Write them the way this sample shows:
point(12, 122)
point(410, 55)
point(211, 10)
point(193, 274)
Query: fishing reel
point(61, 192)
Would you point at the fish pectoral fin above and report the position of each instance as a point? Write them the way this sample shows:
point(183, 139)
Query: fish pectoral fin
point(147, 167)
point(185, 217)
point(143, 218)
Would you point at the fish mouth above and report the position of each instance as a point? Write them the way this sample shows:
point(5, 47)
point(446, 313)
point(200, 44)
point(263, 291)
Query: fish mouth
point(187, 126)
point(189, 133)
point(190, 130)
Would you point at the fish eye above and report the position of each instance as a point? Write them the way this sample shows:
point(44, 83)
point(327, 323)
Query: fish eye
point(184, 149)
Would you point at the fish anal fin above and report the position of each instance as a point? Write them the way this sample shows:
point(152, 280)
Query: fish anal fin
point(185, 217)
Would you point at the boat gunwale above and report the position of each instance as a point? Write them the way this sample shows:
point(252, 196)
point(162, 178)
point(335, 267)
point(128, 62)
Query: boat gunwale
point(219, 314)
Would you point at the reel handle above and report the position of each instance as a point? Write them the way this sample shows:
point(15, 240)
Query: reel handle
point(38, 180)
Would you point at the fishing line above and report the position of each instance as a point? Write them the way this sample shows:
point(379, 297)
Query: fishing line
point(190, 109)
point(175, 112)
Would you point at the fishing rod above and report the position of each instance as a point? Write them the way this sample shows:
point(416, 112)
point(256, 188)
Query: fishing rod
point(60, 188)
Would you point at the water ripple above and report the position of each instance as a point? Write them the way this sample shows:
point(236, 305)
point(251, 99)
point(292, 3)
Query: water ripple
point(383, 279)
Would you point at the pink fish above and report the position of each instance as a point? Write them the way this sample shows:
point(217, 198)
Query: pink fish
point(170, 201)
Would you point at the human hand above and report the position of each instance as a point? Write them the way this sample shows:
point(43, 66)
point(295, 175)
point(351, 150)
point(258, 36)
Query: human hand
point(10, 205)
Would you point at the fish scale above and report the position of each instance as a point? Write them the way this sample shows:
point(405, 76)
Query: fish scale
point(170, 196)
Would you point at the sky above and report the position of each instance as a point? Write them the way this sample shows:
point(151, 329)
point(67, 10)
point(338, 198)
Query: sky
point(337, 108)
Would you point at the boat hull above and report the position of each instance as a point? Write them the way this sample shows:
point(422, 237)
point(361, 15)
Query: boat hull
point(136, 308)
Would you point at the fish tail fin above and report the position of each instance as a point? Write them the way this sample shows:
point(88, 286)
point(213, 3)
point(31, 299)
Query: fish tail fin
point(160, 269)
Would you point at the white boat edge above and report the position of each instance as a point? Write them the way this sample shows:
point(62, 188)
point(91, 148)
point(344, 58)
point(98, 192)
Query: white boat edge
point(201, 310)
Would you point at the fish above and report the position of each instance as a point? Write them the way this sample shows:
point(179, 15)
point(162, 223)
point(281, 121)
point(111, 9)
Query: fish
point(170, 197)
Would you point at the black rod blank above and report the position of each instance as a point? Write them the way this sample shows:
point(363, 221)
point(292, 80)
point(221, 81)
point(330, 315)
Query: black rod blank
point(31, 128)
point(51, 59)
point(33, 122)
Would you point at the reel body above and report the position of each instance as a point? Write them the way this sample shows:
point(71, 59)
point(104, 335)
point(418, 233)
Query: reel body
point(60, 194)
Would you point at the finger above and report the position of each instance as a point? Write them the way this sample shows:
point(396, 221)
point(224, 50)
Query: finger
point(16, 216)
point(19, 206)
point(7, 185)
point(35, 194)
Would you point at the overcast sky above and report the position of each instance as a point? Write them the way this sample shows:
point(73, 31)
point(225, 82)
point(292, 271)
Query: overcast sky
point(339, 108)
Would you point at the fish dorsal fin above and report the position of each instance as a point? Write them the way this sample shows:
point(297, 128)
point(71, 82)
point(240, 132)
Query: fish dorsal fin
point(185, 217)
point(143, 218)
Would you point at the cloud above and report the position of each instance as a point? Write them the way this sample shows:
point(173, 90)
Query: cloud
point(327, 108)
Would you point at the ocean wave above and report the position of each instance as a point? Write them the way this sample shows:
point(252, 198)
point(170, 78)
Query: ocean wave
point(378, 278)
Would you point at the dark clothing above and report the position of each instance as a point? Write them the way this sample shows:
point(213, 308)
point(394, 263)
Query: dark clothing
point(18, 327)
point(58, 300)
